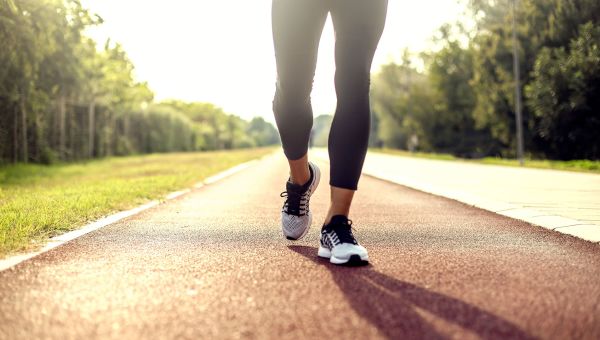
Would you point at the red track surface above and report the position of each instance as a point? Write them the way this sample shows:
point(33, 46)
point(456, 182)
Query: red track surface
point(213, 264)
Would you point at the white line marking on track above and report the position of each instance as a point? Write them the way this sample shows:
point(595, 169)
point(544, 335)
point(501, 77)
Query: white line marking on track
point(176, 194)
point(59, 240)
point(228, 172)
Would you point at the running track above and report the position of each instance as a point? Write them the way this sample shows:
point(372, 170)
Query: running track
point(213, 264)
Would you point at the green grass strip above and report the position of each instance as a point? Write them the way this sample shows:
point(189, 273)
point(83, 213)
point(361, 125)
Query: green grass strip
point(574, 165)
point(38, 202)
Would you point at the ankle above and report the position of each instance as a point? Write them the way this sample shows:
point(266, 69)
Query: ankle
point(330, 216)
point(299, 170)
point(301, 177)
point(300, 180)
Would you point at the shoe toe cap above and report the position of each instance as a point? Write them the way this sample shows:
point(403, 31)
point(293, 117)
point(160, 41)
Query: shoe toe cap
point(293, 226)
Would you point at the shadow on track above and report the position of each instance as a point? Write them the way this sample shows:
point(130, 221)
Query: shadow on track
point(392, 305)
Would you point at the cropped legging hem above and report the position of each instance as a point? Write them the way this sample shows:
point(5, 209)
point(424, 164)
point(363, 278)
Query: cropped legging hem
point(297, 27)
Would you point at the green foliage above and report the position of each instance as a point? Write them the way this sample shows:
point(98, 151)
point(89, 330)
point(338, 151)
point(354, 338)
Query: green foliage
point(433, 111)
point(63, 99)
point(215, 129)
point(210, 122)
point(397, 91)
point(160, 129)
point(38, 201)
point(453, 127)
point(320, 130)
point(262, 132)
point(541, 25)
point(563, 96)
point(463, 102)
point(573, 165)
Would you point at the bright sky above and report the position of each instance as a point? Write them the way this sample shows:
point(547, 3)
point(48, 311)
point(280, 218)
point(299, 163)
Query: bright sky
point(221, 51)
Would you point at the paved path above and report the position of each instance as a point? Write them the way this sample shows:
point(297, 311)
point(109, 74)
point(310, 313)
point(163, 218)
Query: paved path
point(565, 201)
point(213, 264)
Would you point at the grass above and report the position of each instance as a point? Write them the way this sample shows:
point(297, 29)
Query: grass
point(574, 165)
point(38, 202)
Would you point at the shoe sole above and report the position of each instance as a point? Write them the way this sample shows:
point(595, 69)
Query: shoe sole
point(313, 187)
point(353, 260)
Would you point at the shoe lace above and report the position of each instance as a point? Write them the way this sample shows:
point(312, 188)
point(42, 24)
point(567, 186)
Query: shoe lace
point(295, 203)
point(344, 232)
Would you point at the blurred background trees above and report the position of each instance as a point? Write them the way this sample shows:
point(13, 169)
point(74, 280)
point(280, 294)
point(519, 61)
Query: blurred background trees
point(62, 98)
point(462, 100)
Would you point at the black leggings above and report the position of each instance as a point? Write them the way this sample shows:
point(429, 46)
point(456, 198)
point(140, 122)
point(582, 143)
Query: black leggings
point(297, 27)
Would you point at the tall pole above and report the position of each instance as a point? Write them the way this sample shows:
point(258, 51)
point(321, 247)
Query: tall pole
point(517, 72)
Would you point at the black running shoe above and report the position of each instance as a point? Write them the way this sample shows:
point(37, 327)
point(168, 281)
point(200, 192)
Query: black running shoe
point(339, 245)
point(296, 216)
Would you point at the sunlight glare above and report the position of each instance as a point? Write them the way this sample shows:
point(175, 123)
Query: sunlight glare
point(222, 51)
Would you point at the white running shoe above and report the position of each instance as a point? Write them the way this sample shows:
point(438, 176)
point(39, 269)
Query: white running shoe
point(339, 245)
point(296, 216)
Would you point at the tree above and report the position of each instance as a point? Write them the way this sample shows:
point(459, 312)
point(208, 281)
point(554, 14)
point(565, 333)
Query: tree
point(63, 98)
point(541, 24)
point(262, 132)
point(391, 93)
point(563, 96)
point(452, 127)
point(320, 130)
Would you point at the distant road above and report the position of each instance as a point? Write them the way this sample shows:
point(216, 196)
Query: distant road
point(213, 264)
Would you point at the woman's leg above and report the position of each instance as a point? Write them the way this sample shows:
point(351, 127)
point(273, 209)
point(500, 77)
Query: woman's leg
point(297, 27)
point(358, 27)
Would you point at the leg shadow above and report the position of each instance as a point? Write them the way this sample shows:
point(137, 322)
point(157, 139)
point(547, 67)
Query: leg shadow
point(392, 305)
